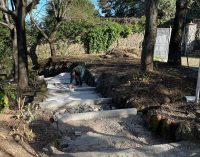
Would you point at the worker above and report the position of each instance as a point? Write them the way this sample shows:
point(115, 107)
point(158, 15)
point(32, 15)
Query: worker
point(77, 73)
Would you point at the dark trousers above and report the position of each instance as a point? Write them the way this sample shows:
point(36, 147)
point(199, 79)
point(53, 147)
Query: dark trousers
point(79, 81)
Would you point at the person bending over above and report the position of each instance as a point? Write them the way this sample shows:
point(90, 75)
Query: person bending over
point(77, 73)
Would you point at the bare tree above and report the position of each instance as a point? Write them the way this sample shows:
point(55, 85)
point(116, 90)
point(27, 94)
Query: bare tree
point(150, 35)
point(20, 8)
point(58, 10)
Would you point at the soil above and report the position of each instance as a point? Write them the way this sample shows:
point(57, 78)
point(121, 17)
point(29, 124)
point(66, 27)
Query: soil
point(163, 89)
point(20, 139)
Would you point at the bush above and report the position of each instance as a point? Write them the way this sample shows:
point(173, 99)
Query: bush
point(99, 35)
point(126, 30)
point(6, 62)
point(4, 104)
point(139, 26)
point(7, 93)
point(73, 30)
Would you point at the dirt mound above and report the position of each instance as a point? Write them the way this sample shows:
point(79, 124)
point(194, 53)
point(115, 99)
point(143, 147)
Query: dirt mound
point(122, 53)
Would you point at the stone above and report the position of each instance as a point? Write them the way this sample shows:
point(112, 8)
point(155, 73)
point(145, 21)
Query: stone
point(166, 100)
point(148, 116)
point(17, 137)
point(184, 131)
point(197, 128)
point(62, 111)
point(107, 56)
point(113, 108)
point(154, 122)
point(77, 133)
point(165, 128)
point(51, 148)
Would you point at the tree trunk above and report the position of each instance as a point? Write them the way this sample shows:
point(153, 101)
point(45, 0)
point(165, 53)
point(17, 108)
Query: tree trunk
point(174, 57)
point(21, 42)
point(52, 48)
point(150, 35)
point(15, 52)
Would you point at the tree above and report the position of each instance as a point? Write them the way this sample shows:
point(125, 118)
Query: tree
point(8, 23)
point(119, 8)
point(174, 57)
point(56, 9)
point(6, 62)
point(59, 11)
point(20, 8)
point(136, 8)
point(150, 35)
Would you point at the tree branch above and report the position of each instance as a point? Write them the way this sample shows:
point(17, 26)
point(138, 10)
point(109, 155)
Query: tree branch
point(38, 28)
point(7, 11)
point(10, 26)
point(5, 5)
point(31, 6)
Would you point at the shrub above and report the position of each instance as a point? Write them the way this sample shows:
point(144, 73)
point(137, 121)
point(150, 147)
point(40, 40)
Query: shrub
point(6, 62)
point(139, 26)
point(4, 104)
point(73, 30)
point(126, 30)
point(99, 35)
point(7, 93)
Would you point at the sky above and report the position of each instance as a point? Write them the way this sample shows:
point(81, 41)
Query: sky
point(39, 12)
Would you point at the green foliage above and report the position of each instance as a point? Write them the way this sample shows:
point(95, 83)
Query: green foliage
point(119, 8)
point(74, 30)
point(4, 104)
point(166, 11)
point(101, 36)
point(126, 30)
point(139, 26)
point(9, 91)
point(76, 10)
point(6, 61)
point(97, 36)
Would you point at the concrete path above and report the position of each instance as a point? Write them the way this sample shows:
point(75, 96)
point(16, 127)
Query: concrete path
point(182, 149)
point(92, 127)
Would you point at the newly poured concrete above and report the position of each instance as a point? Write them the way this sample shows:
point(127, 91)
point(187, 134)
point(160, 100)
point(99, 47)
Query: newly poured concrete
point(59, 95)
point(88, 130)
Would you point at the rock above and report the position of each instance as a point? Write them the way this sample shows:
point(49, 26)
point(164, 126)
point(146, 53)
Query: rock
point(166, 128)
point(45, 149)
point(51, 148)
point(113, 108)
point(64, 142)
point(154, 122)
point(16, 137)
point(62, 111)
point(166, 100)
point(96, 109)
point(107, 56)
point(77, 133)
point(184, 131)
point(148, 115)
point(140, 114)
point(197, 130)
point(198, 114)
